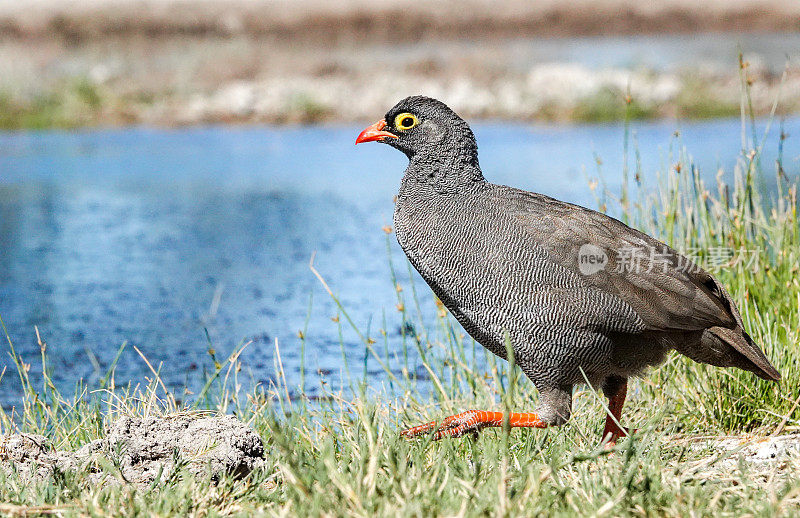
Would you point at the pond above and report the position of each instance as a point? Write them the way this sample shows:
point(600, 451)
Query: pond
point(169, 239)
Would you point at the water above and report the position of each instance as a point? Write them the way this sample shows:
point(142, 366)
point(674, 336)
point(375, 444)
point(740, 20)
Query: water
point(151, 237)
point(660, 52)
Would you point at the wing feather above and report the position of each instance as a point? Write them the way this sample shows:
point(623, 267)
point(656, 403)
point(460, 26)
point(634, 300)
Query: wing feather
point(664, 288)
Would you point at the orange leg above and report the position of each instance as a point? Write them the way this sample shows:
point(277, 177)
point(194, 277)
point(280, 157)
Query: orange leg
point(612, 430)
point(473, 421)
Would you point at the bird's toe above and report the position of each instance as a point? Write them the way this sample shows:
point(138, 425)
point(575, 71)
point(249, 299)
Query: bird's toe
point(471, 421)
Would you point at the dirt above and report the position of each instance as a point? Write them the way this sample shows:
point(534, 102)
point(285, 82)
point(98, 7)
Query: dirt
point(143, 449)
point(391, 22)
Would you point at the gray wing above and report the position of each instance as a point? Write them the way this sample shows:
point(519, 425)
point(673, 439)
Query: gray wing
point(665, 289)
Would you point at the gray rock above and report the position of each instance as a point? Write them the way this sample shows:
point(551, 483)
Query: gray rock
point(144, 449)
point(25, 447)
point(218, 444)
point(30, 455)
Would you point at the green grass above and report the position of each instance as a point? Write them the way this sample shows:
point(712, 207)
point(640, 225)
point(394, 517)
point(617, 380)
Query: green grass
point(76, 103)
point(609, 106)
point(341, 455)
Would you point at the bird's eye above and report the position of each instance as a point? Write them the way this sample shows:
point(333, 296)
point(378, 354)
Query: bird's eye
point(405, 121)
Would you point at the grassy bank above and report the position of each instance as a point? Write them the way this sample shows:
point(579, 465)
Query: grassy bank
point(77, 102)
point(340, 454)
point(117, 79)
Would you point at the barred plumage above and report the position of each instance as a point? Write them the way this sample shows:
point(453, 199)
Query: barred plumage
point(506, 261)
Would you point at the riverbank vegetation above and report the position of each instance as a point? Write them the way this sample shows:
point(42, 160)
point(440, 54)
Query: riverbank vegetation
point(533, 95)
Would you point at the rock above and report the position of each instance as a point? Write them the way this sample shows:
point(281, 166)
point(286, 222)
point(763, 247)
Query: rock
point(30, 455)
point(144, 448)
point(219, 444)
point(25, 447)
point(83, 459)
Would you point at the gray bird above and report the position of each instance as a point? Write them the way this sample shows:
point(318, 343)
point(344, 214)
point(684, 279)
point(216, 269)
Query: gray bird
point(580, 295)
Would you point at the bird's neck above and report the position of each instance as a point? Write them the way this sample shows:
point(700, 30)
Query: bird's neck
point(449, 173)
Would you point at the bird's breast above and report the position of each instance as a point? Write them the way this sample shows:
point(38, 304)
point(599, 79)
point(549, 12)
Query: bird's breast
point(468, 253)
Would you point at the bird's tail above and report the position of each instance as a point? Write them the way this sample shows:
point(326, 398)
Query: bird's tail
point(756, 362)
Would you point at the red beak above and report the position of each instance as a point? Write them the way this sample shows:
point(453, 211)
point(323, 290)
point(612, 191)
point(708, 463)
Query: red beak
point(374, 133)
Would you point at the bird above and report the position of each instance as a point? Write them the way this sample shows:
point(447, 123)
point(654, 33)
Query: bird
point(579, 295)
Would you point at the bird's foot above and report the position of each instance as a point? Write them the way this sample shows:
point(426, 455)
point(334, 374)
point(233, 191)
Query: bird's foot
point(611, 434)
point(473, 421)
point(456, 425)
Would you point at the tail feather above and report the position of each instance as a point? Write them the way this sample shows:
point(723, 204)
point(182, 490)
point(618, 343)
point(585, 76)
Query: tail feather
point(741, 341)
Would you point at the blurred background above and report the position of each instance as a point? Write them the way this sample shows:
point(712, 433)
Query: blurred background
point(168, 167)
point(178, 62)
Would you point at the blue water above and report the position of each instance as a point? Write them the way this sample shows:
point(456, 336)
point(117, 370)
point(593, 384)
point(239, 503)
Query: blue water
point(152, 237)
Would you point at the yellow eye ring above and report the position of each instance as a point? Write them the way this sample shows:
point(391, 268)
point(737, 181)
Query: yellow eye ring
point(405, 121)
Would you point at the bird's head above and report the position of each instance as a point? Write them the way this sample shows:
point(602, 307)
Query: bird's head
point(423, 127)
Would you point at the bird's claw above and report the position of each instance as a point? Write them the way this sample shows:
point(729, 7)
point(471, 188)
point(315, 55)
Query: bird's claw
point(610, 437)
point(453, 426)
